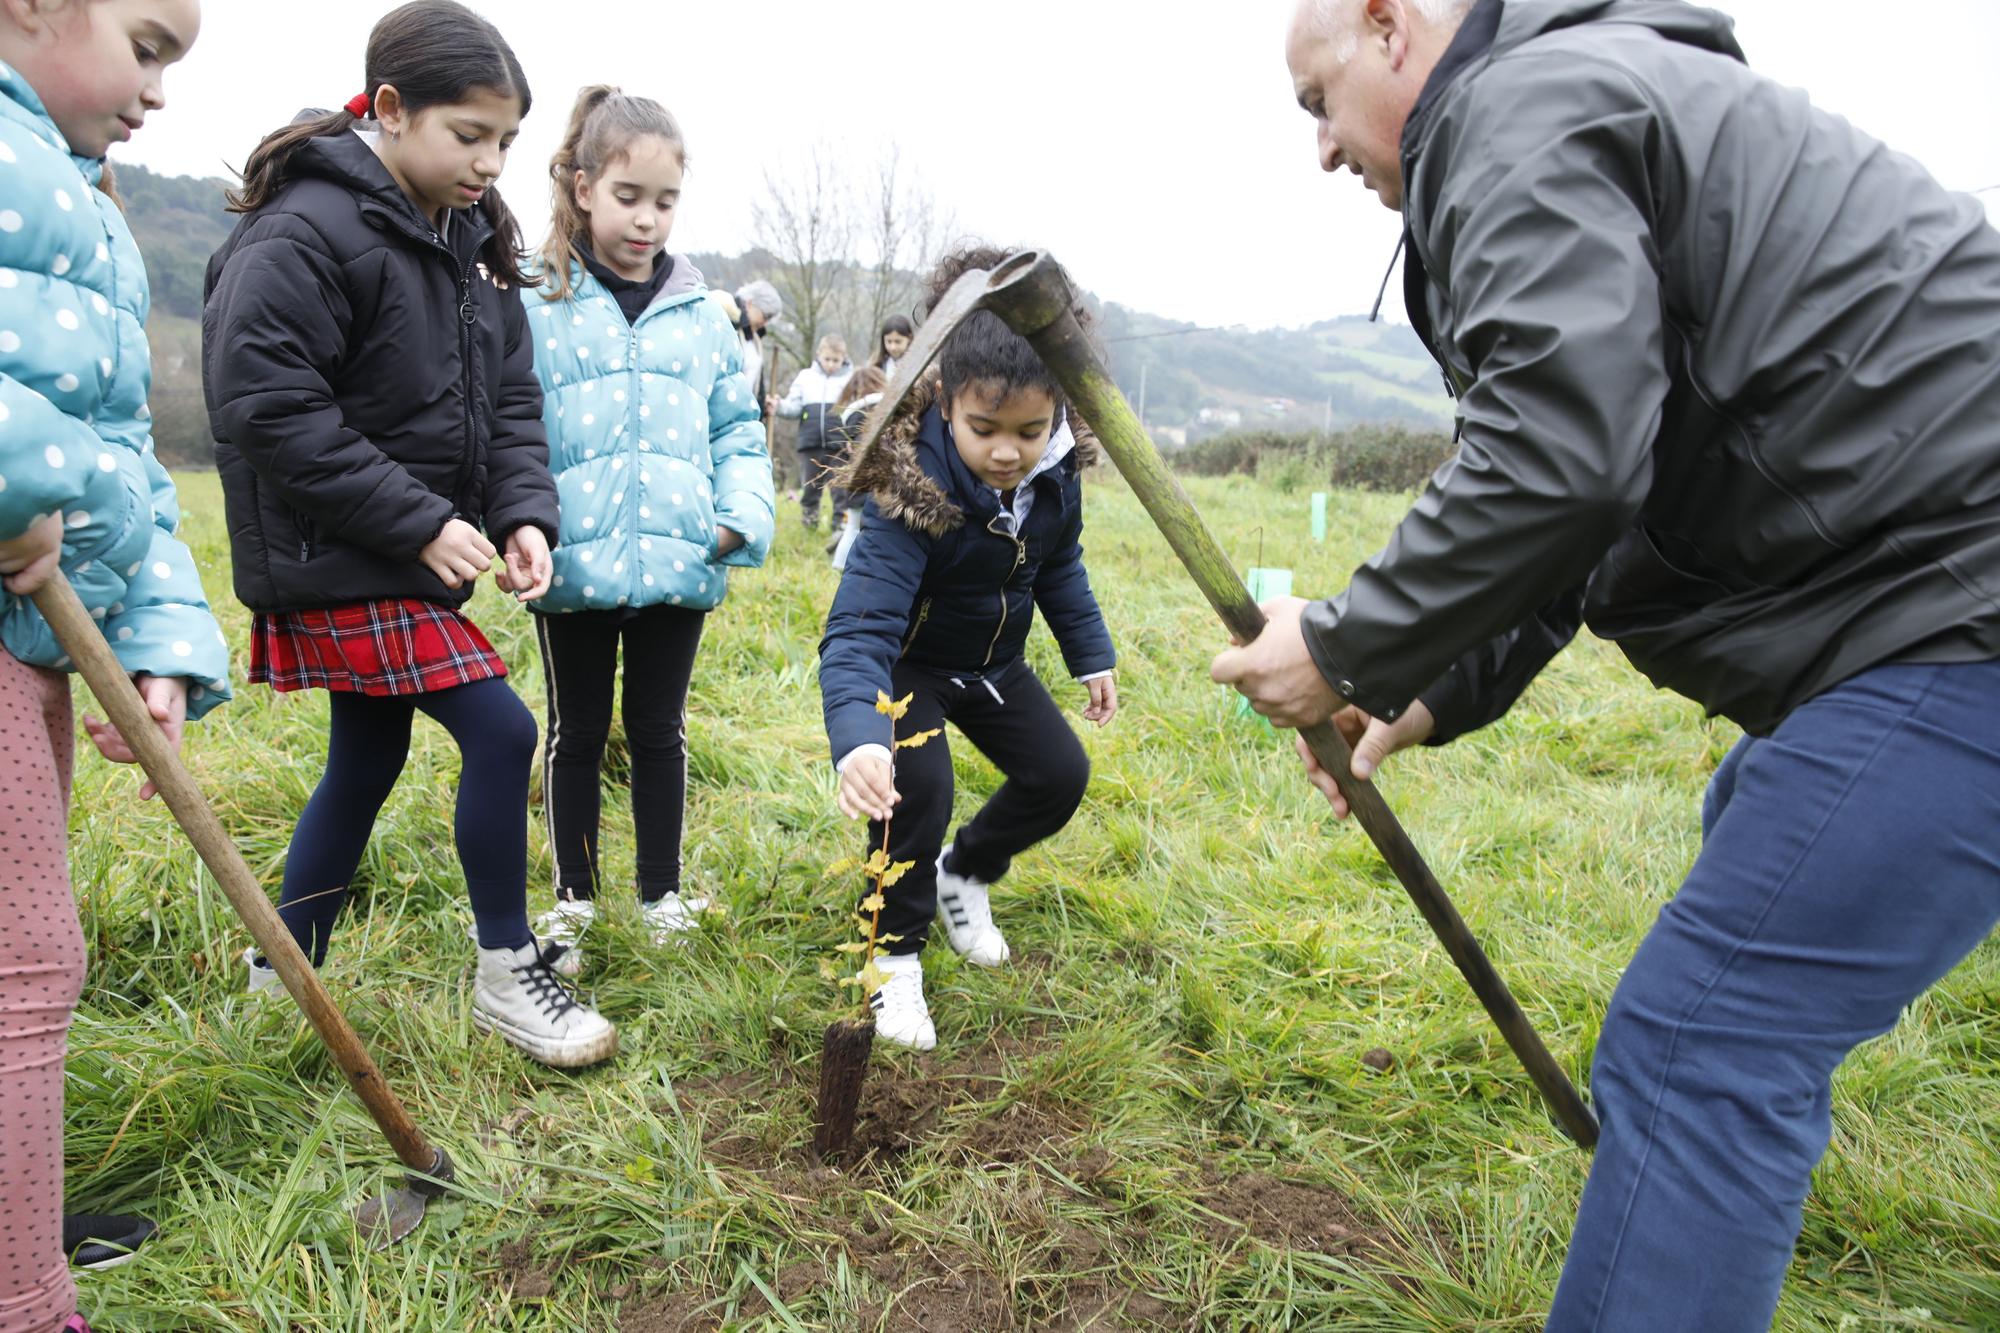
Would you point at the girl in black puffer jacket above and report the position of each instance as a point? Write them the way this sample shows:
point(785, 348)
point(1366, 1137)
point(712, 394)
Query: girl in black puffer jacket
point(372, 392)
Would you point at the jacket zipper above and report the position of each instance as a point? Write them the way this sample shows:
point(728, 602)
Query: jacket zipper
point(1020, 558)
point(468, 315)
point(923, 614)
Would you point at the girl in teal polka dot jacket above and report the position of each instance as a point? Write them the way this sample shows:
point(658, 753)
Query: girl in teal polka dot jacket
point(660, 462)
point(80, 491)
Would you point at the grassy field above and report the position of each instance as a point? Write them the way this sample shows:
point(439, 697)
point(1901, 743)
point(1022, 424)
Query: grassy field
point(1158, 1117)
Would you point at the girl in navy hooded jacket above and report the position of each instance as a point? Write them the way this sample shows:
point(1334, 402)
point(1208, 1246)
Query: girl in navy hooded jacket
point(973, 519)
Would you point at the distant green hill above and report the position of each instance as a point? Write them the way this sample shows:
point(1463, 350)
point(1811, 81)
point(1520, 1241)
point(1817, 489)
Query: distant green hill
point(1340, 372)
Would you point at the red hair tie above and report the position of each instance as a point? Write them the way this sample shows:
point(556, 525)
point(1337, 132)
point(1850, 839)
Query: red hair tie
point(358, 105)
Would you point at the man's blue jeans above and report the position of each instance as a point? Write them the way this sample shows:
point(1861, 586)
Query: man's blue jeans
point(1849, 861)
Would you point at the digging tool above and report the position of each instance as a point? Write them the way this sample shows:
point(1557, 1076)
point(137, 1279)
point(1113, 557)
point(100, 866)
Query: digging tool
point(1030, 291)
point(393, 1214)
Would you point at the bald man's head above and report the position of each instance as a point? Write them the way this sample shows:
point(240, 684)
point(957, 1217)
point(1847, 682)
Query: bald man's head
point(1357, 68)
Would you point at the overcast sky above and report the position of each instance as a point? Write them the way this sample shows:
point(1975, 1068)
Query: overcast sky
point(1152, 145)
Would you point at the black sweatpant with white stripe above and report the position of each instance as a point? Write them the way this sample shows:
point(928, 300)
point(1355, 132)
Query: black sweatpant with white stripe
point(1010, 717)
point(580, 673)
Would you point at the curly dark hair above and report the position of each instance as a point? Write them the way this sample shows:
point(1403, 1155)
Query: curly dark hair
point(983, 352)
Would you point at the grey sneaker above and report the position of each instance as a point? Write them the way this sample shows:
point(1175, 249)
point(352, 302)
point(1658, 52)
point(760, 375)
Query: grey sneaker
point(518, 995)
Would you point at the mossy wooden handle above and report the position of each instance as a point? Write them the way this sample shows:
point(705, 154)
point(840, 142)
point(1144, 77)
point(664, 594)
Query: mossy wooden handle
point(85, 644)
point(1032, 295)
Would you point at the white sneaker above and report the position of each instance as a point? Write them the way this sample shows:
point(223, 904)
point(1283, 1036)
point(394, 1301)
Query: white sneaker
point(901, 1016)
point(566, 924)
point(518, 995)
point(261, 978)
point(967, 914)
point(673, 916)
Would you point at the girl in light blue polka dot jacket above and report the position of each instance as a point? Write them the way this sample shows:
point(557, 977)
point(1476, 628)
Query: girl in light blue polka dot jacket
point(660, 462)
point(80, 491)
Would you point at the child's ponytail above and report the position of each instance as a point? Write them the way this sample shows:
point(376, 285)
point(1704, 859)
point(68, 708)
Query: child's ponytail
point(602, 127)
point(433, 53)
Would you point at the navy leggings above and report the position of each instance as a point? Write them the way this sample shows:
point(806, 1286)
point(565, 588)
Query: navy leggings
point(368, 742)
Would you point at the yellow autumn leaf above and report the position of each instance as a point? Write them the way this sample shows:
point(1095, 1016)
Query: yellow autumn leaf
point(871, 977)
point(845, 865)
point(853, 946)
point(896, 872)
point(850, 981)
point(873, 903)
point(877, 862)
point(882, 704)
point(912, 742)
point(827, 970)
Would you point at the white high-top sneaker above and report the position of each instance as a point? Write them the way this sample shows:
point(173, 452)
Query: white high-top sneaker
point(967, 914)
point(261, 978)
point(566, 924)
point(901, 1015)
point(673, 916)
point(518, 995)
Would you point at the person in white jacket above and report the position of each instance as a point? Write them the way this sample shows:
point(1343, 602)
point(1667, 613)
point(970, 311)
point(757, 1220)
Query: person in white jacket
point(811, 402)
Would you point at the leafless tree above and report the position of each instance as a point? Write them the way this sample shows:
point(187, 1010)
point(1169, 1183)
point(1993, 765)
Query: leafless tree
point(805, 219)
point(907, 229)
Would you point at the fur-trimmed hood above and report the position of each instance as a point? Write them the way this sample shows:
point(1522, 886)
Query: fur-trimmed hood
point(892, 471)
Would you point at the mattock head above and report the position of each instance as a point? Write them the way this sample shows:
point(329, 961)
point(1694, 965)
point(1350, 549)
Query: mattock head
point(1026, 283)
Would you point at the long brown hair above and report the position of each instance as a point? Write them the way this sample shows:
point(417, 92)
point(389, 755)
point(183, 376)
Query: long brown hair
point(433, 53)
point(603, 125)
point(867, 380)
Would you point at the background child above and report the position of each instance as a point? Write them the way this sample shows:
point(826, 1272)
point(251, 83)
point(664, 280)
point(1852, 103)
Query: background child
point(659, 457)
point(80, 491)
point(890, 345)
point(813, 394)
point(974, 517)
point(864, 390)
point(373, 395)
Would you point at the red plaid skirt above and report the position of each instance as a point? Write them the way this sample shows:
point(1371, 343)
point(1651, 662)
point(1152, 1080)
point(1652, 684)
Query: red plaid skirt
point(396, 646)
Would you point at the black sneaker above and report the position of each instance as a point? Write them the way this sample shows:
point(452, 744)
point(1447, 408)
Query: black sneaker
point(103, 1240)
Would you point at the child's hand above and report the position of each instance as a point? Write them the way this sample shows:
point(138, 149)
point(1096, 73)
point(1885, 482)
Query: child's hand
point(528, 569)
point(727, 540)
point(29, 559)
point(867, 788)
point(166, 699)
point(458, 555)
point(1103, 705)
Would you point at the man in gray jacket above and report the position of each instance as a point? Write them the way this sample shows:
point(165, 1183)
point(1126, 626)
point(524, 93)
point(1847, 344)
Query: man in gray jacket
point(1728, 376)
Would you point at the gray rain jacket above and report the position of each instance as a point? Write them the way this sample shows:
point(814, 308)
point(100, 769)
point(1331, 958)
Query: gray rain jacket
point(1728, 375)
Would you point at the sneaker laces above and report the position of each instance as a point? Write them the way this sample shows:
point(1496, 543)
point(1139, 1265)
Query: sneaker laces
point(544, 987)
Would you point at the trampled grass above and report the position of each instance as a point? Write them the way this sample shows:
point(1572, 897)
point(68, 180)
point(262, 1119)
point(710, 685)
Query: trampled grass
point(1158, 1117)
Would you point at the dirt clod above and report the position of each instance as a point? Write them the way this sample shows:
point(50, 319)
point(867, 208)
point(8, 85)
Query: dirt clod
point(1379, 1060)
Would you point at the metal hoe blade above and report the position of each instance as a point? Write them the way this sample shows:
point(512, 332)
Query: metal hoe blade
point(393, 1214)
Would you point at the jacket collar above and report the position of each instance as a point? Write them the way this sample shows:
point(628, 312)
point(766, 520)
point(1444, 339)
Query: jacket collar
point(683, 284)
point(348, 160)
point(20, 103)
point(1474, 39)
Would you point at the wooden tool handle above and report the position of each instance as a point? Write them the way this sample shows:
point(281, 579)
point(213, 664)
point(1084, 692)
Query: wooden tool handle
point(84, 642)
point(1067, 351)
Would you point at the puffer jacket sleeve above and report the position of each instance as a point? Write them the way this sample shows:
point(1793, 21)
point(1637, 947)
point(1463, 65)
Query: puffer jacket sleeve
point(280, 311)
point(865, 628)
point(794, 401)
point(520, 489)
point(162, 626)
point(1542, 225)
point(1062, 591)
point(741, 461)
point(50, 460)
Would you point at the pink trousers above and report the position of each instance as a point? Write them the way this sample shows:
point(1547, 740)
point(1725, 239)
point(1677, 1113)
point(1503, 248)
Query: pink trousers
point(41, 975)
